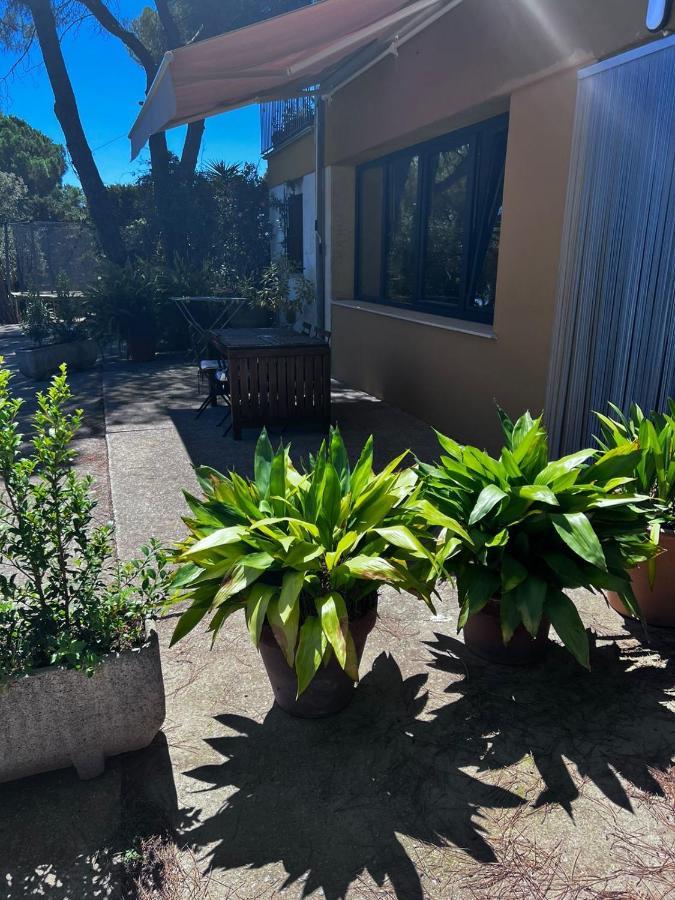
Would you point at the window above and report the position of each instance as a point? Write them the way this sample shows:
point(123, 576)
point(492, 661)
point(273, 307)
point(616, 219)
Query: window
point(294, 231)
point(429, 221)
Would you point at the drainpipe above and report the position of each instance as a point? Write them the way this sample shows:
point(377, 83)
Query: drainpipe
point(320, 224)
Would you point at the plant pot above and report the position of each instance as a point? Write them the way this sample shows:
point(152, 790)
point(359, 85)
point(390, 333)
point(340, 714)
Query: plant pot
point(141, 347)
point(59, 717)
point(330, 690)
point(657, 605)
point(483, 636)
point(39, 363)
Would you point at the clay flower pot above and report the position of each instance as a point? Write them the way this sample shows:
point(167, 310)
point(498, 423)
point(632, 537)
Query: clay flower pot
point(483, 636)
point(329, 691)
point(657, 604)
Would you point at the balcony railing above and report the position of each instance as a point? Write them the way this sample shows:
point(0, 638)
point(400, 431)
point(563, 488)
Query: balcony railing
point(280, 120)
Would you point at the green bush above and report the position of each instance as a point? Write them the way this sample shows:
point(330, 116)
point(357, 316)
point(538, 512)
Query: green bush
point(304, 550)
point(524, 530)
point(655, 465)
point(65, 599)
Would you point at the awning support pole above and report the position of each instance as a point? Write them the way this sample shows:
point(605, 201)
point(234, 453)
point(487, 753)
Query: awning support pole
point(320, 225)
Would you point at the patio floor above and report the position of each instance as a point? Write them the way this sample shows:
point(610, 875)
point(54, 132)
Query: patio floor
point(445, 778)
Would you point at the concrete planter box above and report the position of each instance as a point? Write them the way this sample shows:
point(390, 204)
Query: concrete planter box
point(39, 363)
point(55, 717)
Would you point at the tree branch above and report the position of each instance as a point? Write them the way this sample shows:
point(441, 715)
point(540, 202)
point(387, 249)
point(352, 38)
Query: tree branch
point(171, 32)
point(108, 21)
point(190, 154)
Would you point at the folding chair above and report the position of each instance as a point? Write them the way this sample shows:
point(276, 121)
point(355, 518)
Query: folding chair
point(323, 335)
point(306, 328)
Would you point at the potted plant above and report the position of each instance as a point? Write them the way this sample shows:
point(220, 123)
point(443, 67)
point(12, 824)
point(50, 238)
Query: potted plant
point(80, 673)
point(303, 554)
point(126, 301)
point(520, 531)
point(654, 581)
point(57, 328)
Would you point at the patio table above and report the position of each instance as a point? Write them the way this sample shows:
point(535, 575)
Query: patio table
point(277, 376)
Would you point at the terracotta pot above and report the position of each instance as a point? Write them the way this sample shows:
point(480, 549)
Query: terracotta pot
point(658, 605)
point(330, 690)
point(483, 636)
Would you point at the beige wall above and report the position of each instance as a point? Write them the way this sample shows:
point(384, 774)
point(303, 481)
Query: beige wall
point(292, 161)
point(473, 63)
point(451, 378)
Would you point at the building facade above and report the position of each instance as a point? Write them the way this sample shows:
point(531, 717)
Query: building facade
point(447, 182)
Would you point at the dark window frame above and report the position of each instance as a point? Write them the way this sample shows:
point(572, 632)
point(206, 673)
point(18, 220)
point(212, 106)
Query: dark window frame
point(475, 134)
point(294, 238)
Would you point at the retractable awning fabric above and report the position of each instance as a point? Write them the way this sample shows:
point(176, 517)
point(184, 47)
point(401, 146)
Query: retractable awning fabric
point(273, 59)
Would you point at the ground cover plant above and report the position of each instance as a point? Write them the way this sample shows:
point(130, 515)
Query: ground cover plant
point(303, 549)
point(524, 530)
point(64, 598)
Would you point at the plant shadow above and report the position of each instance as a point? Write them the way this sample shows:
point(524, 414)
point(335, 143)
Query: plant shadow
point(327, 798)
point(64, 838)
point(610, 724)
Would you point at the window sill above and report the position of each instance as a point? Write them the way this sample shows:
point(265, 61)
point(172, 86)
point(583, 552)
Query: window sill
point(463, 326)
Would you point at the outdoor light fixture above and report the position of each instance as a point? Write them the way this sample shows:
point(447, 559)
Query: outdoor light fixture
point(658, 13)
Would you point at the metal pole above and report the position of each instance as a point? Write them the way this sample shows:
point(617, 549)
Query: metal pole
point(320, 225)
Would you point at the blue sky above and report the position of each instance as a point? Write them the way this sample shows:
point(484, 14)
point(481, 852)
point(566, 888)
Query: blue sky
point(109, 85)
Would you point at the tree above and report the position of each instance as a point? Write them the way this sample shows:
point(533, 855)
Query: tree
point(170, 24)
point(28, 153)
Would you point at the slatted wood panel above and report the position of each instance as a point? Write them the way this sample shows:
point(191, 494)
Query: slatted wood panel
point(614, 337)
point(279, 386)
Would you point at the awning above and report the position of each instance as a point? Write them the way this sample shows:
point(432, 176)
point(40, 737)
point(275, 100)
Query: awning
point(273, 59)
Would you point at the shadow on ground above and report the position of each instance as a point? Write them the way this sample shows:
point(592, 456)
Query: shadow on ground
point(329, 797)
point(331, 800)
point(608, 724)
point(79, 830)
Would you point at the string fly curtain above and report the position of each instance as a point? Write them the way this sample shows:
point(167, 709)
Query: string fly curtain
point(614, 338)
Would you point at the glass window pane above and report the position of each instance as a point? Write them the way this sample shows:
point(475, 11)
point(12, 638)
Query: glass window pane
point(445, 239)
point(403, 174)
point(484, 298)
point(371, 187)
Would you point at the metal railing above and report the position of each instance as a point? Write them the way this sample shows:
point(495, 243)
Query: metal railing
point(280, 120)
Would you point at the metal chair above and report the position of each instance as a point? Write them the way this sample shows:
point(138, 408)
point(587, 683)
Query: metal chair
point(306, 328)
point(205, 369)
point(323, 335)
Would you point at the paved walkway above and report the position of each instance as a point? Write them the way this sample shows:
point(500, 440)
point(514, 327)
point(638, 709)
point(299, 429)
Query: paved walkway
point(445, 778)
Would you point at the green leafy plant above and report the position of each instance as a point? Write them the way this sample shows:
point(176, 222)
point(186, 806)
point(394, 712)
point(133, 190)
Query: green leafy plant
point(523, 530)
point(655, 465)
point(37, 318)
point(65, 599)
point(304, 550)
point(281, 287)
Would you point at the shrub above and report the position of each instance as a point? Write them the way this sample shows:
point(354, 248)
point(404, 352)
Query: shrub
point(65, 599)
point(654, 468)
point(305, 550)
point(524, 530)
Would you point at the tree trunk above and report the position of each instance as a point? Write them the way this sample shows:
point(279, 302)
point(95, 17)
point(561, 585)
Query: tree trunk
point(65, 107)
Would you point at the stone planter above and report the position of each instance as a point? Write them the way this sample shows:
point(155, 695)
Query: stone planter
point(38, 363)
point(55, 717)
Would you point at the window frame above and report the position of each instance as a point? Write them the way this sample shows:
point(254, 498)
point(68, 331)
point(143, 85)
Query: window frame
point(426, 151)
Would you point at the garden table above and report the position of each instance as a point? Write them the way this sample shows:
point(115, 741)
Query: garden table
point(277, 376)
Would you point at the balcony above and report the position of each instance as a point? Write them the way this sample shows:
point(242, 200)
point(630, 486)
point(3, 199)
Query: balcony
point(281, 120)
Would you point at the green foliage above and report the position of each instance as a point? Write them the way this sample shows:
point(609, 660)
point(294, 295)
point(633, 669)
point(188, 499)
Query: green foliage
point(655, 465)
point(127, 299)
point(58, 319)
point(281, 287)
point(525, 530)
point(304, 550)
point(65, 600)
point(13, 197)
point(30, 154)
